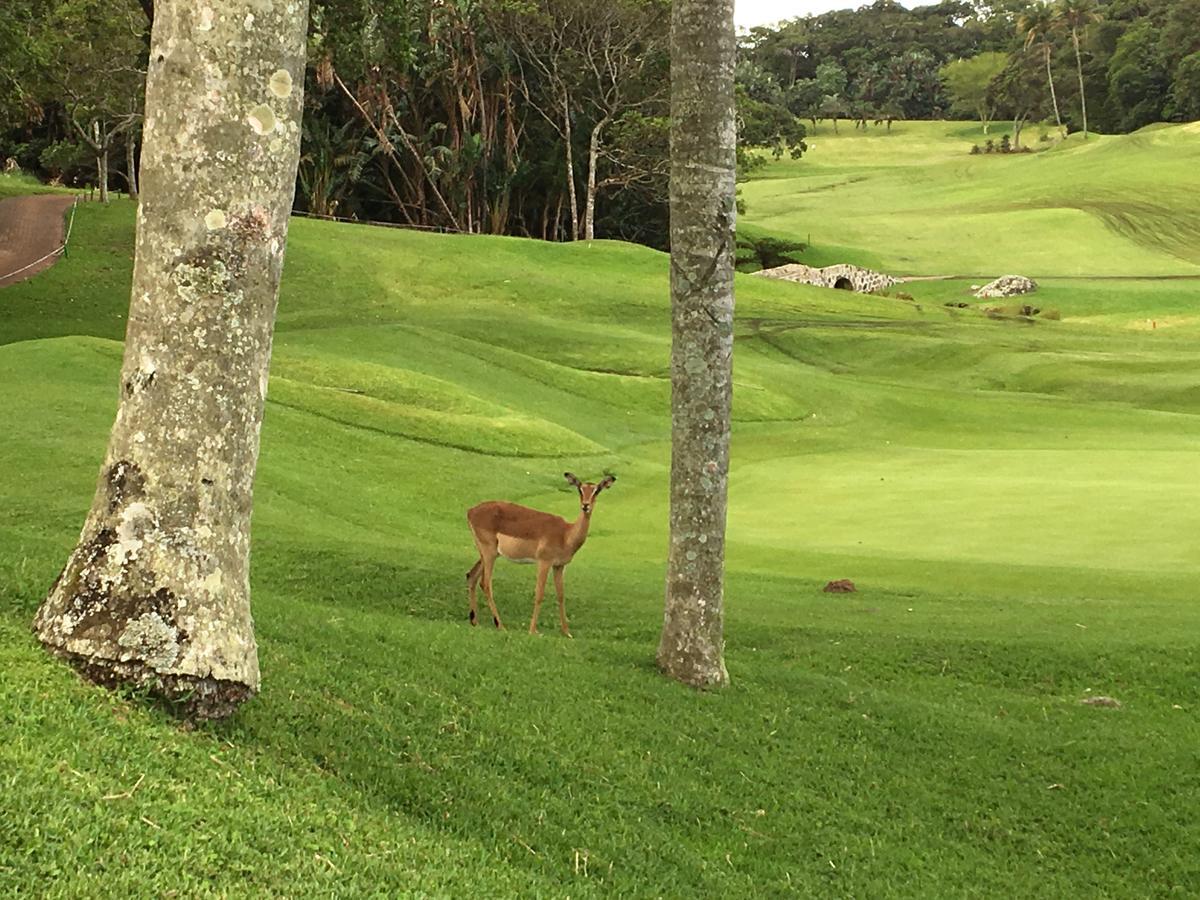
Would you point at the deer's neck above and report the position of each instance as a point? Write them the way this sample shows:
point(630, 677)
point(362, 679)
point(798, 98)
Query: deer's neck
point(578, 531)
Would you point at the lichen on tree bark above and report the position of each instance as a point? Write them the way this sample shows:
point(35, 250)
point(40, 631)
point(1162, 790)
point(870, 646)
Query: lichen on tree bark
point(156, 593)
point(703, 154)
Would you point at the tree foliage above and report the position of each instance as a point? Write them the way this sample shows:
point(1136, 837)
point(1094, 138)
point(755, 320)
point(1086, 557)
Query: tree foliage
point(1120, 62)
point(967, 82)
point(546, 118)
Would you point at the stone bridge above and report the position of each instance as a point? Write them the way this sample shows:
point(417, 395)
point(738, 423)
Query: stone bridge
point(842, 277)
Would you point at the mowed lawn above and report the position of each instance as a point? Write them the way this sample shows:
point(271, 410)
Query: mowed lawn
point(915, 201)
point(1017, 504)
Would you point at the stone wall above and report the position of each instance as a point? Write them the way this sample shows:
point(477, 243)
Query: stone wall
point(843, 277)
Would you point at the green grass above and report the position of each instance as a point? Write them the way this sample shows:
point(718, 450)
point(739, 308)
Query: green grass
point(913, 201)
point(15, 185)
point(1016, 503)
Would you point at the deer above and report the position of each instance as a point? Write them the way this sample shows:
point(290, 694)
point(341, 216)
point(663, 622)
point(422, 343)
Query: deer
point(525, 535)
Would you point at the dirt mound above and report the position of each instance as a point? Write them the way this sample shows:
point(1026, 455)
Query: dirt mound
point(841, 586)
point(31, 229)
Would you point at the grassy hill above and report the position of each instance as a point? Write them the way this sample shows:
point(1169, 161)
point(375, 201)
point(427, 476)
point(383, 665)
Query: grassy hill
point(1016, 503)
point(914, 201)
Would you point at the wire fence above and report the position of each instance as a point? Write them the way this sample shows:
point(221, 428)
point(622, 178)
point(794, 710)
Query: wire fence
point(440, 229)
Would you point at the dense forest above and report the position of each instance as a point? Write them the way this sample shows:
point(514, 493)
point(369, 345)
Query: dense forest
point(547, 118)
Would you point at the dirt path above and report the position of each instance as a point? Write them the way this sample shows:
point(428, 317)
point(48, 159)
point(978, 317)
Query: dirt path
point(30, 228)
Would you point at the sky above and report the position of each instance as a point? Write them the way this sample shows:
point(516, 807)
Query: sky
point(748, 13)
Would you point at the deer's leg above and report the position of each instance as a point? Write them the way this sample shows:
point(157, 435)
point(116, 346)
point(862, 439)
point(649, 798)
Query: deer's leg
point(539, 593)
point(562, 600)
point(488, 558)
point(472, 580)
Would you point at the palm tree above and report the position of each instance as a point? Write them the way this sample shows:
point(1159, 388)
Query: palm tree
point(1077, 15)
point(1038, 24)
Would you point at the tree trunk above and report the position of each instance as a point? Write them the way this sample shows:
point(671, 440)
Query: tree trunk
point(131, 165)
point(1053, 93)
point(156, 594)
point(589, 208)
point(1079, 70)
point(570, 169)
point(703, 163)
point(102, 172)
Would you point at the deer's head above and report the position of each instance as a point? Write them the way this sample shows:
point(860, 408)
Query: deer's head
point(588, 490)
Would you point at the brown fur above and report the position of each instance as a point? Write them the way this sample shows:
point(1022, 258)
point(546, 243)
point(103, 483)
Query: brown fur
point(519, 533)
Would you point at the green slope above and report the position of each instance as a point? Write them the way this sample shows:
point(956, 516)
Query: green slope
point(1015, 502)
point(915, 202)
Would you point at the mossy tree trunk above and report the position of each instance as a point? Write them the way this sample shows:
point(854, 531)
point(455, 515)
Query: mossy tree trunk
point(157, 592)
point(703, 154)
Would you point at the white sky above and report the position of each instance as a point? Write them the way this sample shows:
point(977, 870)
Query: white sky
point(748, 13)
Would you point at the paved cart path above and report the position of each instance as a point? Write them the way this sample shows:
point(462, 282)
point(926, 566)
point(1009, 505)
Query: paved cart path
point(31, 230)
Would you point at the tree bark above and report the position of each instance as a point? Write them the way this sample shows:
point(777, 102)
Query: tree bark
point(703, 161)
point(156, 594)
point(1079, 71)
point(589, 207)
point(102, 171)
point(131, 165)
point(570, 152)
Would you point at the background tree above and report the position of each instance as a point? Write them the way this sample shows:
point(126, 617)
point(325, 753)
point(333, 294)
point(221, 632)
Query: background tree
point(967, 83)
point(832, 82)
point(1018, 93)
point(583, 60)
point(703, 159)
point(764, 119)
point(804, 99)
point(1138, 81)
point(449, 114)
point(1180, 44)
point(1076, 16)
point(913, 85)
point(634, 172)
point(91, 56)
point(622, 49)
point(157, 591)
point(1185, 93)
point(15, 68)
point(1037, 25)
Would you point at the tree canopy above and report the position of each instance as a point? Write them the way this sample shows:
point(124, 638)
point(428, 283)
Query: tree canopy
point(547, 118)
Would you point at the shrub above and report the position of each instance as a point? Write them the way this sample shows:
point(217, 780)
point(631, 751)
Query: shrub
point(745, 259)
point(768, 251)
point(1006, 144)
point(976, 150)
point(990, 146)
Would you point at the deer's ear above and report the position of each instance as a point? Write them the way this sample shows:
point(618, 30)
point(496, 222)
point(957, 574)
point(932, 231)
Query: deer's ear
point(605, 482)
point(571, 478)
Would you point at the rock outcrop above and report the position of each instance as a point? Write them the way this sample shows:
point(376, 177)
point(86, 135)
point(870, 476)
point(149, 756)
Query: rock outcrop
point(1007, 286)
